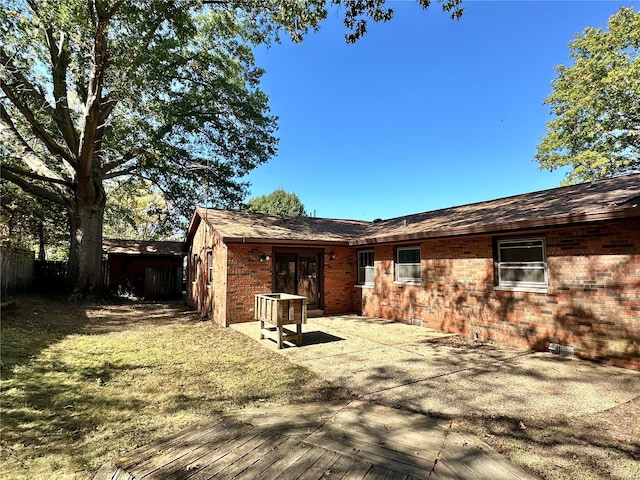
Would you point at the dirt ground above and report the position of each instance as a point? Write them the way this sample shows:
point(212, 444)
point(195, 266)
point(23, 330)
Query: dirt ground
point(558, 417)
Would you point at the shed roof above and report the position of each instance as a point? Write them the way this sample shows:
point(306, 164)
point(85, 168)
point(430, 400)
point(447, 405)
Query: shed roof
point(141, 247)
point(617, 197)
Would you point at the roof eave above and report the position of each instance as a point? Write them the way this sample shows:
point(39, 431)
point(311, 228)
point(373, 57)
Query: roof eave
point(281, 241)
point(501, 227)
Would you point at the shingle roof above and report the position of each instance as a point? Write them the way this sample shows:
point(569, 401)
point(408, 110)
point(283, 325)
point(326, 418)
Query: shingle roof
point(234, 226)
point(611, 198)
point(575, 203)
point(141, 247)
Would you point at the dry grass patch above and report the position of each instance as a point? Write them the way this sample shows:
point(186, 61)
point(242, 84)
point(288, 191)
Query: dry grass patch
point(603, 445)
point(82, 384)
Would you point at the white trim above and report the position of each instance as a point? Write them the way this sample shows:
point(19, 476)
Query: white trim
point(358, 267)
point(413, 279)
point(530, 265)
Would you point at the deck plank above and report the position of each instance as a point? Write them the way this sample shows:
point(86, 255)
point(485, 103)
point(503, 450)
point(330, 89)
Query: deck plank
point(340, 467)
point(281, 451)
point(212, 464)
point(473, 460)
point(401, 431)
point(263, 444)
point(276, 468)
point(194, 461)
point(178, 454)
point(396, 476)
point(375, 454)
point(192, 434)
point(476, 456)
point(344, 440)
point(320, 468)
point(442, 472)
point(208, 454)
point(304, 463)
point(358, 470)
point(376, 473)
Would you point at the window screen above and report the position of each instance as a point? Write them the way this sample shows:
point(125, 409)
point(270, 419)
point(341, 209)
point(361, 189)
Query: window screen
point(522, 263)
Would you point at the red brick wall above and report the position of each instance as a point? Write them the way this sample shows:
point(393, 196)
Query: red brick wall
point(592, 302)
point(247, 276)
point(339, 280)
point(239, 276)
point(209, 298)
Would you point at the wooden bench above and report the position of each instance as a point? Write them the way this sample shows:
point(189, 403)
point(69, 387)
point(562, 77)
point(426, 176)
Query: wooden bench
point(278, 310)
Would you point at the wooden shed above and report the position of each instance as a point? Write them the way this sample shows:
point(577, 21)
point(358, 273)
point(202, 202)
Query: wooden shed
point(152, 270)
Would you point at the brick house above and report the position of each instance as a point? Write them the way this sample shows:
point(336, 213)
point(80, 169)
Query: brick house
point(555, 266)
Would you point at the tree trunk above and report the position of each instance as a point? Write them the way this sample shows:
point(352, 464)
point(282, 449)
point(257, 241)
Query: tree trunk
point(84, 268)
point(42, 254)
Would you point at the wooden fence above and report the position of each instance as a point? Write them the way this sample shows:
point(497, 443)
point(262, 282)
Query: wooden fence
point(50, 276)
point(162, 283)
point(17, 269)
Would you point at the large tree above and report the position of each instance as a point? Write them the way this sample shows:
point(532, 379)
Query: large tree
point(96, 91)
point(596, 104)
point(277, 202)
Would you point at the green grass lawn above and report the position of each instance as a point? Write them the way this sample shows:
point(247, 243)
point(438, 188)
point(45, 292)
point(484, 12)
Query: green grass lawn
point(82, 384)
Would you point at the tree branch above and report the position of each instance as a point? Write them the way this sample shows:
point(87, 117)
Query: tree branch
point(25, 86)
point(61, 114)
point(107, 106)
point(117, 163)
point(30, 187)
point(87, 144)
point(26, 173)
point(59, 63)
point(120, 173)
point(10, 136)
point(37, 128)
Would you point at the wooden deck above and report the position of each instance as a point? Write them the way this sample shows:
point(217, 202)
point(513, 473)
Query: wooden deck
point(331, 440)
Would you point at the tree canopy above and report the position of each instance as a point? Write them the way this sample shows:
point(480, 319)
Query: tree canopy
point(101, 91)
point(137, 210)
point(164, 91)
point(277, 202)
point(596, 104)
point(27, 222)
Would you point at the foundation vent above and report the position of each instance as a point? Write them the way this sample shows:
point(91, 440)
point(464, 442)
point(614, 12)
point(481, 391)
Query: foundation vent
point(416, 321)
point(562, 350)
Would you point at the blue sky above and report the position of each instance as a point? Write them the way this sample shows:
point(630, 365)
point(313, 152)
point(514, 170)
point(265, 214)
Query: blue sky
point(423, 112)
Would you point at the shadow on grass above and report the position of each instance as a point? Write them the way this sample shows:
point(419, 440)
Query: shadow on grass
point(39, 321)
point(82, 383)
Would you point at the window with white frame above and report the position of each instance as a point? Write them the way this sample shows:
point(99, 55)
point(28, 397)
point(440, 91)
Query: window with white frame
point(408, 264)
point(522, 263)
point(366, 269)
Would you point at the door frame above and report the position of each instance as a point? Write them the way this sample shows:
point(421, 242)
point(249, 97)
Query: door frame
point(318, 252)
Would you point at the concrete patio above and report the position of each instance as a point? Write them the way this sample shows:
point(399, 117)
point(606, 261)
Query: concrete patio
point(423, 370)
